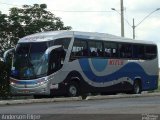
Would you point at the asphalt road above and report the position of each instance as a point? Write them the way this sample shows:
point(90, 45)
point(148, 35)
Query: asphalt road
point(108, 109)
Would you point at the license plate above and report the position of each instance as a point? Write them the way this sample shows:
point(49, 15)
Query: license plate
point(26, 91)
point(54, 86)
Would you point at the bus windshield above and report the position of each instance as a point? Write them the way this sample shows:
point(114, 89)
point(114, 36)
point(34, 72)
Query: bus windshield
point(30, 61)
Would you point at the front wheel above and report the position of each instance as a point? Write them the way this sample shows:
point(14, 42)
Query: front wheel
point(136, 87)
point(73, 90)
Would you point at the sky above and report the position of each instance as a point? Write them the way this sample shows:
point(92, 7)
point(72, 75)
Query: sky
point(104, 21)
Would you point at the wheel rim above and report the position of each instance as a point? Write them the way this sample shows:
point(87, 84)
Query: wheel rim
point(73, 90)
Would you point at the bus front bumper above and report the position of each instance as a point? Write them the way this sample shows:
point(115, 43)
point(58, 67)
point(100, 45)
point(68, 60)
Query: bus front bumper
point(40, 90)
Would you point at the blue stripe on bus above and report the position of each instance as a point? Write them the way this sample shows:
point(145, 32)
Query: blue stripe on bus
point(130, 70)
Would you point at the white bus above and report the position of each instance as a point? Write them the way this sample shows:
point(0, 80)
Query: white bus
point(76, 63)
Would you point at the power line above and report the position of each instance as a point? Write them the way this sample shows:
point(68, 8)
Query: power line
point(124, 17)
point(10, 4)
point(71, 11)
point(79, 11)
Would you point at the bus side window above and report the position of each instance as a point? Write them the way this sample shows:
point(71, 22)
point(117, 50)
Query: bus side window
point(135, 52)
point(79, 49)
point(96, 49)
point(63, 41)
point(150, 51)
point(56, 60)
point(138, 51)
point(125, 50)
point(110, 50)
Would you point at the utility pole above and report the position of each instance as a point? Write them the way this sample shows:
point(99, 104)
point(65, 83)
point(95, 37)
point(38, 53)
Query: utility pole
point(135, 26)
point(133, 29)
point(122, 18)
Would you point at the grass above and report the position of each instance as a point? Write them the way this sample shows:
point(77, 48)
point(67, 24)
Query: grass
point(158, 90)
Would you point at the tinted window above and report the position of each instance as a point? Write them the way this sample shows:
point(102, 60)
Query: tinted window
point(27, 48)
point(138, 51)
point(79, 48)
point(150, 52)
point(38, 47)
point(22, 48)
point(62, 41)
point(125, 50)
point(110, 50)
point(95, 48)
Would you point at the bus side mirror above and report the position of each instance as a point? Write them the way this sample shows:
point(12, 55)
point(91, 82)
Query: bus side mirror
point(7, 53)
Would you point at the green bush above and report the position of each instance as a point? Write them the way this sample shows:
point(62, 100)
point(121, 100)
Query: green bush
point(4, 80)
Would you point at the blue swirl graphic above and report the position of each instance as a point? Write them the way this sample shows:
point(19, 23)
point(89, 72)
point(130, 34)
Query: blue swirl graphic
point(130, 70)
point(97, 66)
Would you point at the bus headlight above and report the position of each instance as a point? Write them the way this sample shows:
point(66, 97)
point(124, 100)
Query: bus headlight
point(42, 81)
point(12, 83)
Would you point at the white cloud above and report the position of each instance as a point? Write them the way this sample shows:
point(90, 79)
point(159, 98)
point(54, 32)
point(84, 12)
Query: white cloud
point(108, 22)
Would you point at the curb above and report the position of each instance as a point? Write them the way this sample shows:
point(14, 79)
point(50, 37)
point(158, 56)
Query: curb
point(98, 97)
point(44, 100)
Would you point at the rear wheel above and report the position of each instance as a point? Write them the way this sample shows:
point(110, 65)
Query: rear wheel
point(73, 89)
point(136, 87)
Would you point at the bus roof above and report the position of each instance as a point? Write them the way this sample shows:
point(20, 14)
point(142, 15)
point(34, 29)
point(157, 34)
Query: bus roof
point(50, 35)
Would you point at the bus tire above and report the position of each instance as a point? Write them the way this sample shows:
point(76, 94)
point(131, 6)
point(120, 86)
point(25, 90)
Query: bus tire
point(73, 89)
point(84, 96)
point(136, 87)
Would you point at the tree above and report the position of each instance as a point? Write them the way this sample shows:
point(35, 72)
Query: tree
point(4, 33)
point(32, 19)
point(25, 21)
point(4, 82)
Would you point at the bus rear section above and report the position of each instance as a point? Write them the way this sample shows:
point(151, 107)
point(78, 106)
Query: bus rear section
point(115, 66)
